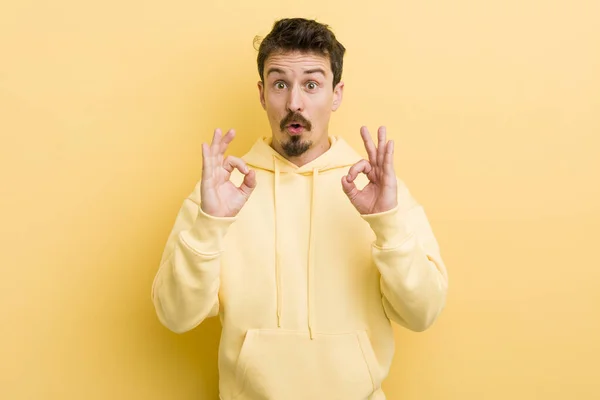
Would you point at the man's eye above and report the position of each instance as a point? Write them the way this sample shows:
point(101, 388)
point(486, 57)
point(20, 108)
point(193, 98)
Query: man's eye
point(311, 85)
point(280, 85)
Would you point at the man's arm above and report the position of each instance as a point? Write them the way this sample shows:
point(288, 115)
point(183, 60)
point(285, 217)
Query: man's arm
point(186, 288)
point(414, 280)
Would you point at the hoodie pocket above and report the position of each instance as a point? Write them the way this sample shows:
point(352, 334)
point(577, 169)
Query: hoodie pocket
point(282, 364)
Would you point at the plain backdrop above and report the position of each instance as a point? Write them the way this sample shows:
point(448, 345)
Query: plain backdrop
point(495, 110)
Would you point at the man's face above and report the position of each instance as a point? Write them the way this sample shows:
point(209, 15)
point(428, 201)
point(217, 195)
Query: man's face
point(298, 95)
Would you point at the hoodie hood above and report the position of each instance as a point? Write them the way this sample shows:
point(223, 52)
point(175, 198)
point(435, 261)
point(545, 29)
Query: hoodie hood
point(263, 156)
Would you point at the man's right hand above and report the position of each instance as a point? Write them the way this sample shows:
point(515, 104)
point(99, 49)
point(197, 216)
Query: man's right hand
point(219, 196)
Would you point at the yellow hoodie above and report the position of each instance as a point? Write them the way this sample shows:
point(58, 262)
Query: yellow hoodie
point(304, 285)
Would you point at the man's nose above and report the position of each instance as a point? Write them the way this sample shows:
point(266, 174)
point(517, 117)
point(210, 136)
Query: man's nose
point(295, 100)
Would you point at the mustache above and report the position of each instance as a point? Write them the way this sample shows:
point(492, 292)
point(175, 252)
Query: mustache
point(296, 117)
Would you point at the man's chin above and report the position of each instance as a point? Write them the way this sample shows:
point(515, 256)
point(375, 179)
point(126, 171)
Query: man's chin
point(295, 146)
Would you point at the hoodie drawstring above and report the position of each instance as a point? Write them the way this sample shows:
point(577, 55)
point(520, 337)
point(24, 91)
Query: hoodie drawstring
point(311, 245)
point(277, 252)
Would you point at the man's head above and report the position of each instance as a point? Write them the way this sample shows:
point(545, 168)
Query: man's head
point(300, 66)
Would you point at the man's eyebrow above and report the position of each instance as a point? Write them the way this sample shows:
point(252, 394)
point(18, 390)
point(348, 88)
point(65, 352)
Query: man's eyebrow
point(274, 70)
point(315, 70)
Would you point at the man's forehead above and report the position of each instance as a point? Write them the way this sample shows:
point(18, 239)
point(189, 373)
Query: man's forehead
point(298, 61)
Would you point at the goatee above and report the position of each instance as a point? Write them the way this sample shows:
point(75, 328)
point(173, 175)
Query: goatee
point(295, 146)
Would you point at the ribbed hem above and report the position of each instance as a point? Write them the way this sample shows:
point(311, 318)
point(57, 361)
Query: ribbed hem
point(207, 233)
point(390, 228)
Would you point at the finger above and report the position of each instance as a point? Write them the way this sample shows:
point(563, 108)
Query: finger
point(362, 166)
point(249, 183)
point(232, 162)
point(369, 145)
point(381, 133)
point(349, 187)
point(216, 142)
point(228, 138)
point(388, 164)
point(207, 164)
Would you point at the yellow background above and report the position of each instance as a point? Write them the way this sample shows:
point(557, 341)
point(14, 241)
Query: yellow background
point(495, 109)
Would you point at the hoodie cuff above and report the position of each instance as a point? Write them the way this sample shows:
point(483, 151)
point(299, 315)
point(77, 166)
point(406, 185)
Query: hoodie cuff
point(389, 227)
point(207, 234)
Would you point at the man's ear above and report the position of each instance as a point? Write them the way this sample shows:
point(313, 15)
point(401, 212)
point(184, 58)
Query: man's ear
point(338, 94)
point(261, 94)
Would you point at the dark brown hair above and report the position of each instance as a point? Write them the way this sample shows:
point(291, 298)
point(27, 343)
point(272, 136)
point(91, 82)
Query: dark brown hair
point(299, 34)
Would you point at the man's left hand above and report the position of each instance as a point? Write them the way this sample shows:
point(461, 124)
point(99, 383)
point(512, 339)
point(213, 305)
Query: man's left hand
point(380, 194)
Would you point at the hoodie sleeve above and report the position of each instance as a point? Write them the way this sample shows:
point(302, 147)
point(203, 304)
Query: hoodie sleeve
point(414, 280)
point(186, 286)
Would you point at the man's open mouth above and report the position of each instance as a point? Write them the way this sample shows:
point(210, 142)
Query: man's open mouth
point(295, 128)
point(295, 123)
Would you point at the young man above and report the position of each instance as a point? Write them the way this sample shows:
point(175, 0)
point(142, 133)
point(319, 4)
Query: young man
point(305, 251)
